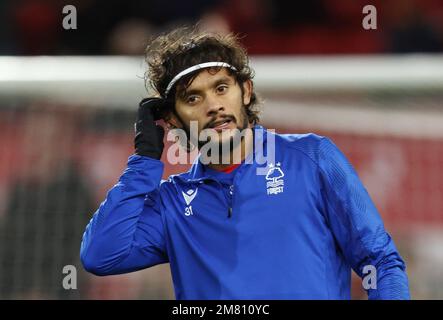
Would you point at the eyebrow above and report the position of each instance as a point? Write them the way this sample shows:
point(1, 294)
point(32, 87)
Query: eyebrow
point(223, 79)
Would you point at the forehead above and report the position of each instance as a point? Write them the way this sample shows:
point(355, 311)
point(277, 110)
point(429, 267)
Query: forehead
point(208, 77)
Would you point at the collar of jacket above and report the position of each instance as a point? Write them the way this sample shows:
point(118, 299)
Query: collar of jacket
point(197, 171)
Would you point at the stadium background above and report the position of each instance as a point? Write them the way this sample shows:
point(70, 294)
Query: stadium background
point(68, 100)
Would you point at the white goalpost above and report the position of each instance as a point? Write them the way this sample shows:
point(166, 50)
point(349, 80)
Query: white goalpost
point(117, 82)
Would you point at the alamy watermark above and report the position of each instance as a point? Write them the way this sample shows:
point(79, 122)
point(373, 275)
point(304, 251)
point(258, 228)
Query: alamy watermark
point(370, 19)
point(370, 278)
point(70, 20)
point(69, 281)
point(221, 147)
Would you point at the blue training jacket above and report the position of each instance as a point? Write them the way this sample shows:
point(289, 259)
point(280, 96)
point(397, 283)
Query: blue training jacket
point(294, 233)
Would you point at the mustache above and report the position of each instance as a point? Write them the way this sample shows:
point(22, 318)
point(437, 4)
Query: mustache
point(223, 118)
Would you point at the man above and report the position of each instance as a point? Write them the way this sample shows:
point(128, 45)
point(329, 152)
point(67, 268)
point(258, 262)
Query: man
point(227, 231)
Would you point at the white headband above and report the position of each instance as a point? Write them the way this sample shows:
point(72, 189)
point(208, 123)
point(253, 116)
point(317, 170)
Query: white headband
point(196, 67)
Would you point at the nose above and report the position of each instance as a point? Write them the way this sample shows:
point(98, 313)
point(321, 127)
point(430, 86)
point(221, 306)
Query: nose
point(213, 104)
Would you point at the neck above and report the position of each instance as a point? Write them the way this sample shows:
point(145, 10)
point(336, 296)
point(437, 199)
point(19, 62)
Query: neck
point(238, 153)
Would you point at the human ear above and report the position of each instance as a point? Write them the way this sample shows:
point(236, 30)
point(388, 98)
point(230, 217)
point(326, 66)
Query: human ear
point(172, 121)
point(247, 92)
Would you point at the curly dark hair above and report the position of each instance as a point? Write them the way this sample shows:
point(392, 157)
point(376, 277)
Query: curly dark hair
point(184, 47)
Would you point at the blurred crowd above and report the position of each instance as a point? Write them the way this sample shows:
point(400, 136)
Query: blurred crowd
point(34, 27)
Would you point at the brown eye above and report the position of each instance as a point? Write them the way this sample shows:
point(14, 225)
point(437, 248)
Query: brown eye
point(222, 88)
point(192, 99)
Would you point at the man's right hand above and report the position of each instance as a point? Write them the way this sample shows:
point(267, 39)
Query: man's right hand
point(148, 139)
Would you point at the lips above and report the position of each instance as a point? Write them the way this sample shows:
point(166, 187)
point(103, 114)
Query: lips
point(220, 124)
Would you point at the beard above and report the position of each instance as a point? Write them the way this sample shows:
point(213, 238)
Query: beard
point(234, 139)
point(230, 144)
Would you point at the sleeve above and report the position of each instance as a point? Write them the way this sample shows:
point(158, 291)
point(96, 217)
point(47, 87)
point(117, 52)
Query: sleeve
point(126, 233)
point(358, 227)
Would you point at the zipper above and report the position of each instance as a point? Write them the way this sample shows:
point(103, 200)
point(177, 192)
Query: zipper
point(228, 198)
point(231, 199)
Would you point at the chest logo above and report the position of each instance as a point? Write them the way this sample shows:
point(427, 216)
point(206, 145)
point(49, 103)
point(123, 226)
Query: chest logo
point(189, 196)
point(274, 177)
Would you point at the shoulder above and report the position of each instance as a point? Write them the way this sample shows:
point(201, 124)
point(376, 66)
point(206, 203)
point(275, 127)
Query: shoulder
point(171, 180)
point(311, 145)
point(299, 139)
point(175, 182)
point(322, 152)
